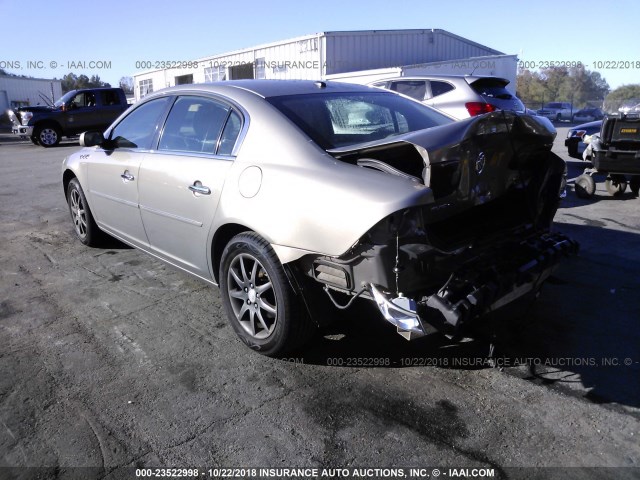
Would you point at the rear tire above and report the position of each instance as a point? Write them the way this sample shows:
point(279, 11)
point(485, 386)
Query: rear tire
point(260, 303)
point(585, 186)
point(616, 184)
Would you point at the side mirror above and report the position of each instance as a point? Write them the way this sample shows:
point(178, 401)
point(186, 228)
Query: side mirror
point(91, 139)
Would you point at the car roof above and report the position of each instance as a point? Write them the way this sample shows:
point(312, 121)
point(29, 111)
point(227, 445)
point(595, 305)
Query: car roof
point(428, 76)
point(272, 88)
point(594, 124)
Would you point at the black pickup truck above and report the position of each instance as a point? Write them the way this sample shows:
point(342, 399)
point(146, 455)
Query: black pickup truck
point(76, 112)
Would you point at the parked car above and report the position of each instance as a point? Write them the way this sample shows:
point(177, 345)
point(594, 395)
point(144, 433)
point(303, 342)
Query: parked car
point(297, 196)
point(614, 150)
point(588, 115)
point(75, 112)
point(461, 96)
point(557, 111)
point(573, 142)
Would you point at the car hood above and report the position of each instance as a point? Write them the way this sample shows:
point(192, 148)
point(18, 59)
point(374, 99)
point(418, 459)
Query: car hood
point(36, 108)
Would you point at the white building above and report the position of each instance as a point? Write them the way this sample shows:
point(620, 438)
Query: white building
point(319, 55)
point(20, 92)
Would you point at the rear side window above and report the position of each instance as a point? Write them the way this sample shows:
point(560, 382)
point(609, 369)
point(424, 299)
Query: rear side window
point(138, 128)
point(230, 134)
point(110, 97)
point(438, 88)
point(194, 125)
point(416, 89)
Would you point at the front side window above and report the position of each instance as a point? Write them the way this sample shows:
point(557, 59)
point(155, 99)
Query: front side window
point(194, 125)
point(83, 99)
point(342, 119)
point(138, 129)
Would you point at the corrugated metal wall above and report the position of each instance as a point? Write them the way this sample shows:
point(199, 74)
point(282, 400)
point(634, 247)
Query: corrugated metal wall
point(30, 90)
point(353, 51)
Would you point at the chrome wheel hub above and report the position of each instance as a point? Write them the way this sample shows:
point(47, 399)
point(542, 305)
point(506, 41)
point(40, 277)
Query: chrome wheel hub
point(48, 136)
point(252, 296)
point(78, 213)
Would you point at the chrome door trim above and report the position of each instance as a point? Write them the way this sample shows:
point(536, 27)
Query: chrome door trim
point(115, 199)
point(171, 215)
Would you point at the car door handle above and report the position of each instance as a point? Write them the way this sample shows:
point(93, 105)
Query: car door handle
point(197, 187)
point(127, 177)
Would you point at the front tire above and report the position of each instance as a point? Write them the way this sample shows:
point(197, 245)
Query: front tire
point(616, 184)
point(585, 186)
point(261, 305)
point(83, 223)
point(47, 135)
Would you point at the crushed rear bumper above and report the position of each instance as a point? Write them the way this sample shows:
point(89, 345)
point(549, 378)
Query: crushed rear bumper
point(486, 285)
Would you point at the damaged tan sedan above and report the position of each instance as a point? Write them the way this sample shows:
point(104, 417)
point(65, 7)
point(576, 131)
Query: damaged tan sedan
point(293, 196)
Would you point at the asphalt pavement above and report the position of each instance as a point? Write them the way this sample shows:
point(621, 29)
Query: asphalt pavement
point(111, 361)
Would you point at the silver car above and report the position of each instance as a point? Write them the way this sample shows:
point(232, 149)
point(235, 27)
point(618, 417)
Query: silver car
point(461, 96)
point(295, 196)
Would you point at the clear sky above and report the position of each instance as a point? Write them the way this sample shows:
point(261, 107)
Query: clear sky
point(123, 32)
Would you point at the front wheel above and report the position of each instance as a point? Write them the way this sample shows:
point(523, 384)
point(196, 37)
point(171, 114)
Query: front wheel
point(47, 135)
point(261, 305)
point(83, 223)
point(585, 186)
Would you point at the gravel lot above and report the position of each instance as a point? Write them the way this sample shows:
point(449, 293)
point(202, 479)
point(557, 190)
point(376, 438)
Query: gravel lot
point(111, 360)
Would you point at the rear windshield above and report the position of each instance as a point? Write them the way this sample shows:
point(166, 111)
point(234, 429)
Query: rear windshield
point(336, 120)
point(492, 87)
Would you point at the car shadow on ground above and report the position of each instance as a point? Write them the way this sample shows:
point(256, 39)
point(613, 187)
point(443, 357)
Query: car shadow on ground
point(581, 335)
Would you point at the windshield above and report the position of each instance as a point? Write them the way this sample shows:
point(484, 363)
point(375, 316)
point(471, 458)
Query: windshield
point(64, 99)
point(343, 119)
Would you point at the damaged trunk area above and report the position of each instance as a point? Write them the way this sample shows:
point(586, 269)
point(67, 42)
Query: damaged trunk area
point(482, 243)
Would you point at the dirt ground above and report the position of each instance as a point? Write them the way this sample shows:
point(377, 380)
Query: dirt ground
point(111, 360)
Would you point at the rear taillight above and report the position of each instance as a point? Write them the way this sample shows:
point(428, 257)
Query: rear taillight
point(478, 108)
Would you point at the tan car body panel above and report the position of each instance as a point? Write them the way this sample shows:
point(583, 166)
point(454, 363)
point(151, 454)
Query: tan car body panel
point(306, 201)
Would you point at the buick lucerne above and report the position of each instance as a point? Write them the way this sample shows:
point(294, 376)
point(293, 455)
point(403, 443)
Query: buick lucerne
point(298, 196)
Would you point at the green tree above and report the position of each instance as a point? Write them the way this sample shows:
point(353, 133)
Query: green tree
point(71, 81)
point(622, 95)
point(561, 84)
point(126, 84)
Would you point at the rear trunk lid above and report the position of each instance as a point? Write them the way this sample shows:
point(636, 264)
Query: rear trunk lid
point(493, 91)
point(491, 172)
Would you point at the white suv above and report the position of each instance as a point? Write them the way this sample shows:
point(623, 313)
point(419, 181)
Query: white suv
point(461, 96)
